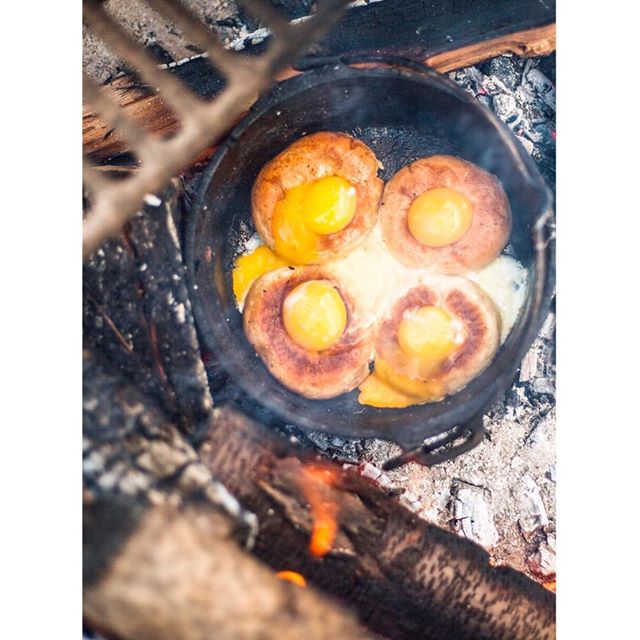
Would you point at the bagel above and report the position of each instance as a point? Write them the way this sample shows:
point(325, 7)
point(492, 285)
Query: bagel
point(445, 214)
point(313, 373)
point(336, 158)
point(456, 328)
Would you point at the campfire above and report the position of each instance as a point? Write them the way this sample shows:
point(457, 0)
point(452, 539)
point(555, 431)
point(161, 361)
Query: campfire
point(315, 482)
point(205, 513)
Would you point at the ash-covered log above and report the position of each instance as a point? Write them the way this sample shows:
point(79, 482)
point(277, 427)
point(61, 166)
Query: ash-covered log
point(448, 35)
point(406, 578)
point(137, 312)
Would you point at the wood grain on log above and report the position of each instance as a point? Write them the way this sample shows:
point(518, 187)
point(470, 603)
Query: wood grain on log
point(162, 554)
point(533, 42)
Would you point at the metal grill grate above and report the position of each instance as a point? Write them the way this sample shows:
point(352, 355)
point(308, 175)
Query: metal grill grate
point(112, 201)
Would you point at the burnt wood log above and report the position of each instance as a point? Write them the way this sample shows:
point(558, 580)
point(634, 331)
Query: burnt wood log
point(448, 36)
point(181, 575)
point(162, 541)
point(406, 577)
point(138, 312)
point(540, 41)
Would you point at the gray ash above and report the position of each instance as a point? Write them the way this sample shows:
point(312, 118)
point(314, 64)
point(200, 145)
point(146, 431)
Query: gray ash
point(335, 447)
point(521, 93)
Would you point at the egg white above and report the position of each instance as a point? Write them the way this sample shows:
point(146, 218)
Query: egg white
point(375, 279)
point(505, 281)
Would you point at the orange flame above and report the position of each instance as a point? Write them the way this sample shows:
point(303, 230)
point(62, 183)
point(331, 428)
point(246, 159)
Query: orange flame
point(324, 530)
point(314, 482)
point(551, 585)
point(292, 576)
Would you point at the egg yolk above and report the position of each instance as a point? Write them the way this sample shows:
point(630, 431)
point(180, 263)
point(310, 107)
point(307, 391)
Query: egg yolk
point(329, 205)
point(387, 389)
point(377, 393)
point(428, 333)
point(314, 315)
point(309, 211)
point(249, 268)
point(439, 217)
point(294, 241)
point(421, 390)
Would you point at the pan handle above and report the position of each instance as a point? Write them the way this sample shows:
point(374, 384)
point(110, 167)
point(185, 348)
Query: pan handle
point(543, 234)
point(544, 230)
point(445, 448)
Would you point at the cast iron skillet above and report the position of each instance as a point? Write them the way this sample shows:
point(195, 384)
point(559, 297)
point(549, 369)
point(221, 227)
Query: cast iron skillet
point(403, 111)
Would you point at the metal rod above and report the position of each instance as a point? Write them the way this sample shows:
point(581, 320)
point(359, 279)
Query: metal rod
point(92, 180)
point(114, 201)
point(176, 94)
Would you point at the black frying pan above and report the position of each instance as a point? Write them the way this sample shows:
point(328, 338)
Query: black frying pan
point(403, 111)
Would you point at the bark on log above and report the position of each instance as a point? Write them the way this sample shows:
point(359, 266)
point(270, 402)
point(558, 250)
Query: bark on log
point(137, 311)
point(162, 554)
point(406, 577)
point(181, 575)
point(532, 42)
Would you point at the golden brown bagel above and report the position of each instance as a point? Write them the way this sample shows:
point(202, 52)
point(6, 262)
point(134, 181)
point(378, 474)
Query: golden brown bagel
point(323, 374)
point(490, 226)
point(479, 323)
point(310, 158)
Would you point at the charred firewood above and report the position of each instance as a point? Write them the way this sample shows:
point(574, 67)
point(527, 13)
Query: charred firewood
point(180, 574)
point(448, 35)
point(137, 311)
point(406, 577)
point(162, 541)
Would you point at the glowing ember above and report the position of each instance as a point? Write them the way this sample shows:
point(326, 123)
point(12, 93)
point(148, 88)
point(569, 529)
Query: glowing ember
point(324, 511)
point(324, 531)
point(292, 576)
